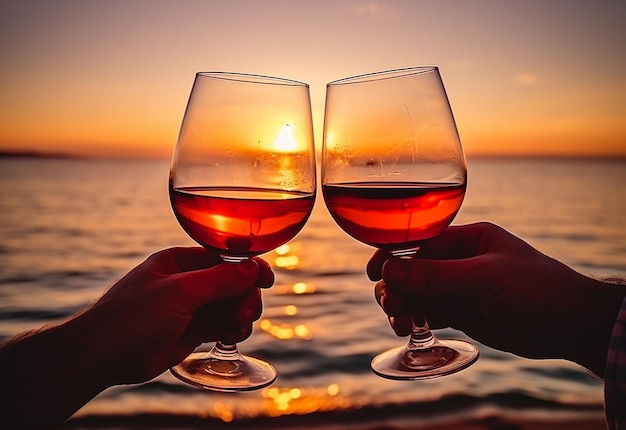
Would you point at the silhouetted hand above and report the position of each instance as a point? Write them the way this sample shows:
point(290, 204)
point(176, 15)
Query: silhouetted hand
point(156, 315)
point(148, 321)
point(502, 292)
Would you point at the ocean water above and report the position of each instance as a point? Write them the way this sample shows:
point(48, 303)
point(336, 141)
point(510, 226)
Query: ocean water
point(70, 227)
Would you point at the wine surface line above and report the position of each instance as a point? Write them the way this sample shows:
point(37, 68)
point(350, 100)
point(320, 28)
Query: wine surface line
point(240, 221)
point(393, 215)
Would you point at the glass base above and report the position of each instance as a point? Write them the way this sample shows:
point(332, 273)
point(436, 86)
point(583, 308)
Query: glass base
point(244, 373)
point(440, 359)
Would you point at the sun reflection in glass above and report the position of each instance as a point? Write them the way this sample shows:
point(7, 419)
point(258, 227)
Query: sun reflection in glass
point(286, 140)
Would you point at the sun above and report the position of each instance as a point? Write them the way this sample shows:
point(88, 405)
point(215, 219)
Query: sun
point(286, 141)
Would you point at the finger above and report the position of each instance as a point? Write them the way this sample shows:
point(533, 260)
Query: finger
point(438, 314)
point(183, 259)
point(266, 276)
point(222, 282)
point(456, 242)
point(431, 278)
point(460, 241)
point(231, 315)
point(247, 309)
point(197, 258)
point(219, 326)
point(226, 334)
point(448, 312)
point(194, 258)
point(375, 264)
point(390, 301)
point(379, 291)
point(393, 305)
point(401, 324)
point(235, 335)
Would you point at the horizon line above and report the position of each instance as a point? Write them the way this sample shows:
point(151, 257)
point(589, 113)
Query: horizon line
point(9, 153)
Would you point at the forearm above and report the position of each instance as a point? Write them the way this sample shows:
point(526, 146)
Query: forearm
point(50, 374)
point(592, 352)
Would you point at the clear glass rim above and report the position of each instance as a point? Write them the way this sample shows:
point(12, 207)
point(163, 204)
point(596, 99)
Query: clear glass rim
point(251, 78)
point(384, 74)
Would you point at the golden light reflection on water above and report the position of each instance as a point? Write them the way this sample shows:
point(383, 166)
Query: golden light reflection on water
point(284, 259)
point(291, 310)
point(277, 401)
point(296, 400)
point(285, 331)
point(303, 288)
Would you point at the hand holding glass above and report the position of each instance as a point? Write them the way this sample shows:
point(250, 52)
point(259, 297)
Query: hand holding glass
point(242, 182)
point(394, 175)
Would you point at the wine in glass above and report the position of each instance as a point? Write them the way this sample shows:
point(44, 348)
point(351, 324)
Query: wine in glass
point(393, 176)
point(242, 182)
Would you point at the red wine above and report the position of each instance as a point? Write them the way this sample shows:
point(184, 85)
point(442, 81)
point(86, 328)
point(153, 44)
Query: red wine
point(393, 215)
point(240, 222)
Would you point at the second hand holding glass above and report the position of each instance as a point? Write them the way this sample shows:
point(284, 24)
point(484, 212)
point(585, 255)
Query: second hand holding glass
point(242, 182)
point(393, 176)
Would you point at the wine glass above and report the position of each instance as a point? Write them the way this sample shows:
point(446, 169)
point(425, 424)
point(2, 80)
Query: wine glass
point(242, 182)
point(393, 176)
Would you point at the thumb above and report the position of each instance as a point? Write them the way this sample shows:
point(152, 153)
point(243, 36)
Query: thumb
point(221, 282)
point(434, 278)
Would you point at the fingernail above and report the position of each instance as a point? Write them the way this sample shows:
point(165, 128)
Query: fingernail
point(382, 300)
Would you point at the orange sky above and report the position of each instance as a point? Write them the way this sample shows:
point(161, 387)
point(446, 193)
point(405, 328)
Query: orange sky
point(112, 78)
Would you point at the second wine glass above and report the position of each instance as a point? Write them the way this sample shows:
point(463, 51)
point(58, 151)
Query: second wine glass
point(393, 176)
point(242, 182)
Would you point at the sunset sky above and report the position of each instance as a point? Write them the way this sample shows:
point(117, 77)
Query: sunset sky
point(112, 78)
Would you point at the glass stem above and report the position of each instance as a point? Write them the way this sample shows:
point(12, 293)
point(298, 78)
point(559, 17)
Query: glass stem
point(221, 350)
point(225, 351)
point(421, 336)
